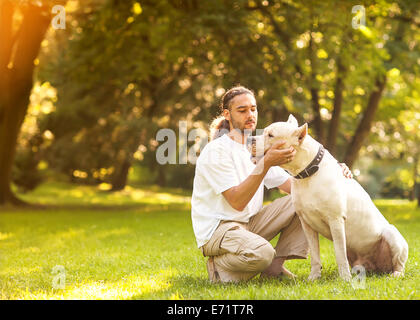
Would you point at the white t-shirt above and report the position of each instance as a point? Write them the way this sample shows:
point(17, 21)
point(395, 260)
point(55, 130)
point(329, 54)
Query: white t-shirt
point(222, 164)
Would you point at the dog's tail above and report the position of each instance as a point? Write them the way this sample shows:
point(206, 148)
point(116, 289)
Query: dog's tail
point(219, 127)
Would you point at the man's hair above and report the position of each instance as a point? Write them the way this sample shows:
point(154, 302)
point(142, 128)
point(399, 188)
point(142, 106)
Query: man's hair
point(220, 125)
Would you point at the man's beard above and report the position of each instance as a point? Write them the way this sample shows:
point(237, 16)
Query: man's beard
point(241, 128)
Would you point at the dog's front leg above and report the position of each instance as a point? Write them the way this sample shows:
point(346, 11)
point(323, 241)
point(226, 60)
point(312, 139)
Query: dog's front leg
point(339, 239)
point(313, 243)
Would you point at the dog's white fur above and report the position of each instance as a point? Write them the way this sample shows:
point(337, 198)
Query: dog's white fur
point(336, 207)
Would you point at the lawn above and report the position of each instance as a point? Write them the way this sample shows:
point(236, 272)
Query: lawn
point(139, 244)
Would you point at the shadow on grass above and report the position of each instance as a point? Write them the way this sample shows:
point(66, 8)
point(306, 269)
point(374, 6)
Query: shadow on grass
point(62, 196)
point(198, 288)
point(184, 286)
point(94, 207)
point(36, 207)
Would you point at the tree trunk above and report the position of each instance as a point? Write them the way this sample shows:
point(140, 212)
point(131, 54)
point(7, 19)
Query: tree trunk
point(365, 123)
point(337, 107)
point(415, 192)
point(119, 180)
point(319, 128)
point(16, 81)
point(314, 89)
point(412, 195)
point(161, 178)
point(418, 198)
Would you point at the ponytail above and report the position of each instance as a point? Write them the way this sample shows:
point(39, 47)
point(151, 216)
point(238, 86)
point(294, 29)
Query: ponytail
point(219, 127)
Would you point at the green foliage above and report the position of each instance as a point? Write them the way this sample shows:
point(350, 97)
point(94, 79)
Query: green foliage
point(399, 184)
point(115, 94)
point(125, 69)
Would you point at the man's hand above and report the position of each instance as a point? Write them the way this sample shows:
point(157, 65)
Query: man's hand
point(240, 195)
point(346, 171)
point(276, 156)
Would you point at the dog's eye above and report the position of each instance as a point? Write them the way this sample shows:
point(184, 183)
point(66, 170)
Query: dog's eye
point(270, 135)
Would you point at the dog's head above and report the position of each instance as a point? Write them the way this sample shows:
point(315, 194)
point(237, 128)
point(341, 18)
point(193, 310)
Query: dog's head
point(289, 132)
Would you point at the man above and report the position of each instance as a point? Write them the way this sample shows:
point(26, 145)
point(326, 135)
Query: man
point(230, 223)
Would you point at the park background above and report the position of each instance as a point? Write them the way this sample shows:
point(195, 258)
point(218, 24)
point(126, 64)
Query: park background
point(87, 212)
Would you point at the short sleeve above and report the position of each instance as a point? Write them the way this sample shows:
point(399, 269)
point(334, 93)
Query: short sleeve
point(217, 168)
point(275, 177)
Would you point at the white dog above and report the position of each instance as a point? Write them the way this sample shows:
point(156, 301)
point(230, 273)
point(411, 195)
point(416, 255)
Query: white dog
point(334, 206)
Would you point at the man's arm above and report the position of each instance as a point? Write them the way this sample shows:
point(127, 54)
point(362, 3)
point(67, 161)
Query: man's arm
point(240, 195)
point(287, 186)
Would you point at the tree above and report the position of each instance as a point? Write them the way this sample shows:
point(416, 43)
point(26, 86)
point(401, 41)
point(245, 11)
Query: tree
point(129, 68)
point(22, 29)
point(329, 63)
point(119, 82)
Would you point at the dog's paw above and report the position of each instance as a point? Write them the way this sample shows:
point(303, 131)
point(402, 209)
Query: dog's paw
point(397, 274)
point(314, 276)
point(346, 276)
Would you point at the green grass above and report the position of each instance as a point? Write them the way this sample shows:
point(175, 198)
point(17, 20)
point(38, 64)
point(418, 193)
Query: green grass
point(139, 244)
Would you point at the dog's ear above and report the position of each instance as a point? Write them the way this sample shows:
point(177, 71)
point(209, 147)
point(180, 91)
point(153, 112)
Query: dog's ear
point(292, 120)
point(301, 132)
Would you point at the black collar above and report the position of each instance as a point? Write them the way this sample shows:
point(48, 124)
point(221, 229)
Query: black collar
point(313, 166)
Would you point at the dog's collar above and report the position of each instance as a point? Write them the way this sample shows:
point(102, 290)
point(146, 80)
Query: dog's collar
point(313, 166)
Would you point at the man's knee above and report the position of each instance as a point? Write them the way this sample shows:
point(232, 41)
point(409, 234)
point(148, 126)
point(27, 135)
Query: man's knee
point(266, 253)
point(259, 258)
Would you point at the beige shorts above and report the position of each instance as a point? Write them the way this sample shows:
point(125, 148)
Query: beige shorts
point(242, 250)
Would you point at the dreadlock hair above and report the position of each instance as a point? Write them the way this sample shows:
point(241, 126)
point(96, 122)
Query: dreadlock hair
point(220, 125)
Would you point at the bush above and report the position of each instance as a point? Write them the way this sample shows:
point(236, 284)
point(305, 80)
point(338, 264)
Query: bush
point(398, 184)
point(25, 173)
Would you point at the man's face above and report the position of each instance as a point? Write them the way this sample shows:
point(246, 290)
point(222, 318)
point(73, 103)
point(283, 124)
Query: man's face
point(243, 114)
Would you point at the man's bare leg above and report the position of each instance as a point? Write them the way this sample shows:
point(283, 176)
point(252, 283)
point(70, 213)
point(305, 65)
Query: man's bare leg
point(277, 269)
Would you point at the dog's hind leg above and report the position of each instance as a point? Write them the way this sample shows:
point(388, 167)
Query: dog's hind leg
point(398, 248)
point(313, 243)
point(339, 239)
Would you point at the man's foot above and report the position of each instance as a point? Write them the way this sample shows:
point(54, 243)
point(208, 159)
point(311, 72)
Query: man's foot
point(278, 274)
point(276, 270)
point(211, 270)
